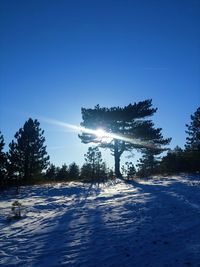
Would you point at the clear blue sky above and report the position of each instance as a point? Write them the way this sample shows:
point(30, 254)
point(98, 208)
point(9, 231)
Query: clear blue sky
point(59, 56)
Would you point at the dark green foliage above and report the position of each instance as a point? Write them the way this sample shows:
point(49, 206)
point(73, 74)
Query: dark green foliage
point(128, 170)
point(131, 171)
point(192, 151)
point(3, 163)
point(148, 164)
point(193, 139)
point(188, 160)
point(179, 160)
point(110, 174)
point(86, 171)
point(73, 171)
point(128, 122)
point(174, 162)
point(94, 168)
point(27, 154)
point(51, 172)
point(93, 157)
point(62, 173)
point(95, 163)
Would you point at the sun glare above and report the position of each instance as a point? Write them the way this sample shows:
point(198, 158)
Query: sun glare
point(100, 133)
point(103, 136)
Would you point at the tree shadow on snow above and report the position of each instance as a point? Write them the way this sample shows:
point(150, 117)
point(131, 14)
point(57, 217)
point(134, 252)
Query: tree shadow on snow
point(146, 225)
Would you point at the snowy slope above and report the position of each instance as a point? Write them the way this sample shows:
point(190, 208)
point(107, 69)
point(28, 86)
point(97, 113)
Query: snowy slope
point(146, 223)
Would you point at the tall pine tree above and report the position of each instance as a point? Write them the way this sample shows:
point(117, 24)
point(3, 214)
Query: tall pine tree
point(193, 142)
point(130, 122)
point(193, 139)
point(3, 162)
point(27, 154)
point(94, 163)
point(74, 171)
point(148, 163)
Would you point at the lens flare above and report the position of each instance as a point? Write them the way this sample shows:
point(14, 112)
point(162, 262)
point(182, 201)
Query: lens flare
point(100, 133)
point(104, 136)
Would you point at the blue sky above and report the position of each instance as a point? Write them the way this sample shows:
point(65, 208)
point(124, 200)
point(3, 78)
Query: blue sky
point(59, 56)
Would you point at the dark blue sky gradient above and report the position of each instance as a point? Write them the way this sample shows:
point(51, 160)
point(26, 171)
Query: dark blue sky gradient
point(59, 56)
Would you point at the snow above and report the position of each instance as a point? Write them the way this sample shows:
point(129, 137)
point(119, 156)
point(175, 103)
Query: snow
point(154, 222)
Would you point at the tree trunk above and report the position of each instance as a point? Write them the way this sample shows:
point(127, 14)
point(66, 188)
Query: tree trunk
point(117, 167)
point(117, 160)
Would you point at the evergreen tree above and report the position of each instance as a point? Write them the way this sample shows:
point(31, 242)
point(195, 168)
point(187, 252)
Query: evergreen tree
point(73, 171)
point(192, 146)
point(27, 154)
point(86, 171)
point(110, 174)
point(3, 162)
point(103, 171)
point(51, 172)
point(174, 162)
point(63, 173)
point(193, 139)
point(129, 122)
point(147, 165)
point(130, 169)
point(94, 159)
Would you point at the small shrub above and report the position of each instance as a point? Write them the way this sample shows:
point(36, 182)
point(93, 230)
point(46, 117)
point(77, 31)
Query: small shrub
point(16, 209)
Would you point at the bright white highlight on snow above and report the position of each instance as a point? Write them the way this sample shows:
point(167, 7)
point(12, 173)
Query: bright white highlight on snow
point(54, 220)
point(104, 136)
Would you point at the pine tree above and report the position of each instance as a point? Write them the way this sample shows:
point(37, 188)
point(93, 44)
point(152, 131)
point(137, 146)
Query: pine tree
point(148, 163)
point(175, 161)
point(63, 173)
point(73, 171)
point(94, 158)
point(3, 162)
point(193, 140)
point(27, 154)
point(129, 122)
point(130, 170)
point(51, 172)
point(86, 171)
point(192, 146)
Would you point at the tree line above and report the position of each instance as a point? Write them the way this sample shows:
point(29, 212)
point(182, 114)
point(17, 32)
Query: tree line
point(27, 161)
point(126, 129)
point(136, 131)
point(177, 160)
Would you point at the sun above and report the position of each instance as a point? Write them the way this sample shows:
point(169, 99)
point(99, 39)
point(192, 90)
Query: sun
point(103, 136)
point(100, 133)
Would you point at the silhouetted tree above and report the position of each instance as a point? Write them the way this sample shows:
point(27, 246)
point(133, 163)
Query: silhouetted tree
point(73, 171)
point(129, 122)
point(131, 171)
point(51, 172)
point(86, 171)
point(3, 162)
point(174, 162)
point(63, 173)
point(192, 146)
point(110, 174)
point(27, 154)
point(147, 164)
point(193, 139)
point(94, 158)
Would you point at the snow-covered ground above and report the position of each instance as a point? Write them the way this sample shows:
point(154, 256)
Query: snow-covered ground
point(146, 223)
